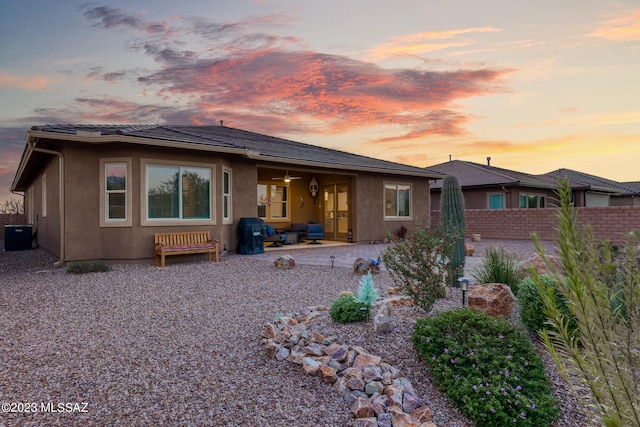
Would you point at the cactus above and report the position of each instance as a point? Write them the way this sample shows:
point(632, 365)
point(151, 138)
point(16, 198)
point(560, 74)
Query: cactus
point(452, 215)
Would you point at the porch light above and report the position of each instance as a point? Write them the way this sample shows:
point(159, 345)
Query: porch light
point(313, 186)
point(464, 287)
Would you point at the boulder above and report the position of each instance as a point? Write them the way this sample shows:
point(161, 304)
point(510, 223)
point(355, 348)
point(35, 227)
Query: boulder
point(382, 319)
point(364, 266)
point(385, 420)
point(327, 374)
point(411, 401)
point(495, 299)
point(346, 294)
point(310, 366)
point(536, 262)
point(361, 408)
point(469, 250)
point(366, 422)
point(284, 262)
point(364, 360)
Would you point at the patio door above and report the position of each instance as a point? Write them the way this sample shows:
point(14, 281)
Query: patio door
point(335, 211)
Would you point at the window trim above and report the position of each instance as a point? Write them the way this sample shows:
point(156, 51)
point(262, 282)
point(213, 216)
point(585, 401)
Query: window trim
point(269, 217)
point(384, 201)
point(228, 219)
point(504, 200)
point(146, 222)
point(538, 195)
point(44, 194)
point(104, 208)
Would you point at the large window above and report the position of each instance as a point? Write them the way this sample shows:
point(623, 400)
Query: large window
point(397, 201)
point(273, 202)
point(496, 201)
point(532, 201)
point(227, 216)
point(178, 192)
point(115, 190)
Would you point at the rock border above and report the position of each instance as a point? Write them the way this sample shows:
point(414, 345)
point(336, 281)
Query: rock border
point(378, 394)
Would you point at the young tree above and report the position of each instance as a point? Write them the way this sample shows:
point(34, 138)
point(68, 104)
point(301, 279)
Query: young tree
point(12, 206)
point(601, 356)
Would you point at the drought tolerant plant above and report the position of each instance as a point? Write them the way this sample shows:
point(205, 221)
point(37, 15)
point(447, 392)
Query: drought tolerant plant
point(602, 358)
point(487, 367)
point(532, 306)
point(499, 266)
point(88, 267)
point(418, 266)
point(347, 309)
point(367, 293)
point(452, 217)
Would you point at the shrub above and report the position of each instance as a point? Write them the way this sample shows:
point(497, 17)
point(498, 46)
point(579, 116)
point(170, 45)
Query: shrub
point(500, 266)
point(347, 309)
point(418, 266)
point(532, 306)
point(487, 367)
point(367, 293)
point(88, 267)
point(601, 357)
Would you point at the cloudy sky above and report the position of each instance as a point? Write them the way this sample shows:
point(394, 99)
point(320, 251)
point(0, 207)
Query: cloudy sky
point(536, 85)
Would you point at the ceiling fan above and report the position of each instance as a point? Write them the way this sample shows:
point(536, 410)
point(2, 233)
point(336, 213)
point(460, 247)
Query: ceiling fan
point(287, 177)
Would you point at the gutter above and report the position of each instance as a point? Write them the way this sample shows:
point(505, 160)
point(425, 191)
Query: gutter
point(32, 145)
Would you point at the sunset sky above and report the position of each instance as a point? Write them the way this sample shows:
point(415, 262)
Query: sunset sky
point(536, 85)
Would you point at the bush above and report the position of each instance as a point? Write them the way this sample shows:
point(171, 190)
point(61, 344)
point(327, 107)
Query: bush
point(532, 307)
point(487, 367)
point(419, 266)
point(88, 267)
point(367, 293)
point(500, 266)
point(347, 309)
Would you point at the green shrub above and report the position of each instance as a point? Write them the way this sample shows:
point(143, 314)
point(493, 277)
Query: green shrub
point(500, 266)
point(347, 309)
point(532, 308)
point(487, 367)
point(88, 267)
point(367, 293)
point(419, 266)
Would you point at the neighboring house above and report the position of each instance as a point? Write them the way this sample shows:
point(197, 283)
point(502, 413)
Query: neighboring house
point(489, 187)
point(591, 190)
point(102, 191)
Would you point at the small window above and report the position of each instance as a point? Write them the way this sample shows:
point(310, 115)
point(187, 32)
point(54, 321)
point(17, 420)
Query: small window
point(226, 196)
point(44, 195)
point(532, 201)
point(115, 190)
point(496, 201)
point(397, 201)
point(273, 202)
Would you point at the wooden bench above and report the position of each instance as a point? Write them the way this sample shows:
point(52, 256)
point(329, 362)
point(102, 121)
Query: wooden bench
point(183, 243)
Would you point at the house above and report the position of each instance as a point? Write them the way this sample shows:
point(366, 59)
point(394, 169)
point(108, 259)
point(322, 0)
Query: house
point(102, 191)
point(490, 187)
point(596, 191)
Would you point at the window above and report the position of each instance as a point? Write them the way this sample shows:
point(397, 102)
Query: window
point(29, 207)
point(397, 201)
point(44, 195)
point(227, 217)
point(496, 201)
point(273, 202)
point(178, 192)
point(115, 190)
point(532, 201)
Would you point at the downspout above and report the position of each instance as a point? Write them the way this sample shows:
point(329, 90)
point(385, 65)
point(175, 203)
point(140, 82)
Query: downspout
point(32, 144)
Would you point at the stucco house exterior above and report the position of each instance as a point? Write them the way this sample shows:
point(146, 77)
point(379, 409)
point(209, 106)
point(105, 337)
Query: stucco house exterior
point(489, 187)
point(102, 191)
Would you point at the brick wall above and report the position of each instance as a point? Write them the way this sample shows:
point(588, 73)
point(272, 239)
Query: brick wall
point(517, 224)
point(11, 219)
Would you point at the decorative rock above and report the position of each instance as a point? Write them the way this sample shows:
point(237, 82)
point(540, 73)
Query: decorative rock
point(411, 401)
point(284, 262)
point(421, 415)
point(340, 355)
point(361, 408)
point(331, 349)
point(355, 383)
point(317, 337)
point(296, 355)
point(404, 383)
point(387, 378)
point(382, 319)
point(495, 299)
point(351, 396)
point(313, 350)
point(364, 266)
point(346, 294)
point(403, 420)
point(469, 250)
point(385, 420)
point(327, 374)
point(269, 331)
point(366, 422)
point(363, 360)
point(394, 393)
point(475, 237)
point(282, 353)
point(539, 265)
point(272, 349)
point(373, 387)
point(310, 366)
point(371, 373)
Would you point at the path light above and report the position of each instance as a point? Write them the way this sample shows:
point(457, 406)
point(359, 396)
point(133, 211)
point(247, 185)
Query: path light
point(464, 286)
point(333, 258)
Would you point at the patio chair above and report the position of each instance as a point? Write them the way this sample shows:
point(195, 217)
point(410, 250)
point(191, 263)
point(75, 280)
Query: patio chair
point(314, 232)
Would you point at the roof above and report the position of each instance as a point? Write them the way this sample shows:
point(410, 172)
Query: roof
point(591, 182)
point(472, 174)
point(222, 139)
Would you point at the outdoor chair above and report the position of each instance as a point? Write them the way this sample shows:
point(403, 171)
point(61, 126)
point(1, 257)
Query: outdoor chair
point(314, 232)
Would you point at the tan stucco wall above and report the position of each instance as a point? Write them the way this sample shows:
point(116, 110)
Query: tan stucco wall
point(47, 227)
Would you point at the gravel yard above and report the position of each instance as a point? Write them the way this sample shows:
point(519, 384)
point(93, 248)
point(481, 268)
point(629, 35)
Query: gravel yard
point(141, 345)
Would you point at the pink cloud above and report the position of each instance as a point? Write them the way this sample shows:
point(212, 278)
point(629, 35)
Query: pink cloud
point(620, 27)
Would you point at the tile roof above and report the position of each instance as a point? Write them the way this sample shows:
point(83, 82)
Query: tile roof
point(266, 148)
point(589, 182)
